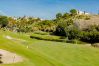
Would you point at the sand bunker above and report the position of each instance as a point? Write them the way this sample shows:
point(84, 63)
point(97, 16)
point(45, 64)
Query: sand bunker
point(9, 58)
point(8, 37)
point(11, 38)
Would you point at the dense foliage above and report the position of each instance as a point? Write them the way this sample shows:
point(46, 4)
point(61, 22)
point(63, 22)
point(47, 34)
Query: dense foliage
point(62, 25)
point(46, 25)
point(90, 37)
point(3, 21)
point(73, 12)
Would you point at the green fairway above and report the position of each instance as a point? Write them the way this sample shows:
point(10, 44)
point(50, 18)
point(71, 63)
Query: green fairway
point(48, 53)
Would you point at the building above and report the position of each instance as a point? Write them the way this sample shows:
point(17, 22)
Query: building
point(82, 13)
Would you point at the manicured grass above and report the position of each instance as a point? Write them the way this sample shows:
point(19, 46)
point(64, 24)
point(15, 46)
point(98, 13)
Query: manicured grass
point(48, 53)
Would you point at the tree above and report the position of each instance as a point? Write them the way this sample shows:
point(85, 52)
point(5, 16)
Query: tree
point(60, 31)
point(62, 27)
point(3, 21)
point(58, 15)
point(11, 23)
point(73, 12)
point(46, 25)
point(66, 15)
point(72, 32)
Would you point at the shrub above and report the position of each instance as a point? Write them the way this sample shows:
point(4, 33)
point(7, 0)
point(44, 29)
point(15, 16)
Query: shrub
point(89, 37)
point(72, 32)
point(48, 37)
point(46, 25)
point(95, 45)
point(87, 18)
point(60, 31)
point(41, 32)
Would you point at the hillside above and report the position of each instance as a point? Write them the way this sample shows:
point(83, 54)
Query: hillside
point(81, 23)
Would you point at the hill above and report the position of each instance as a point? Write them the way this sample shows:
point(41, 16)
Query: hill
point(82, 23)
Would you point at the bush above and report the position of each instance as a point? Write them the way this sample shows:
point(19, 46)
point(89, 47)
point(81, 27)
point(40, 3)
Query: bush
point(89, 37)
point(48, 37)
point(87, 18)
point(60, 31)
point(72, 33)
point(41, 32)
point(46, 25)
point(95, 45)
point(24, 29)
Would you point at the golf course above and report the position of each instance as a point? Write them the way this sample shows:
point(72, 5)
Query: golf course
point(47, 53)
point(49, 32)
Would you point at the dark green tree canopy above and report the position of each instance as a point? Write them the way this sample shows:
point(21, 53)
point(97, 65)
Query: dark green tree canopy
point(58, 15)
point(90, 37)
point(3, 21)
point(73, 12)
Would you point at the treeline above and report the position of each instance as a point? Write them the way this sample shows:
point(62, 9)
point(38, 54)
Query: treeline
point(27, 24)
point(62, 25)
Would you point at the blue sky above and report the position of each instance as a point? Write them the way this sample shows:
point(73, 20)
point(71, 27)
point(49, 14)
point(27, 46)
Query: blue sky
point(45, 9)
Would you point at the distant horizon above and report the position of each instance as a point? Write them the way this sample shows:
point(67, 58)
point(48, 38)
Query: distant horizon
point(46, 9)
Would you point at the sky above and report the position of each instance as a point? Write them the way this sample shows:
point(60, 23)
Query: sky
point(46, 9)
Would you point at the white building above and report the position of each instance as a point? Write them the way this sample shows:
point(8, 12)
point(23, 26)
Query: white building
point(82, 13)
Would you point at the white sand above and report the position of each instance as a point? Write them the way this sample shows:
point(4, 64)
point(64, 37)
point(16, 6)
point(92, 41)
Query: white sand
point(8, 37)
point(9, 58)
point(11, 38)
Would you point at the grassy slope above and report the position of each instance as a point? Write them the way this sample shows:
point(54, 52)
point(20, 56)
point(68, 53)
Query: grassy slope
point(47, 53)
